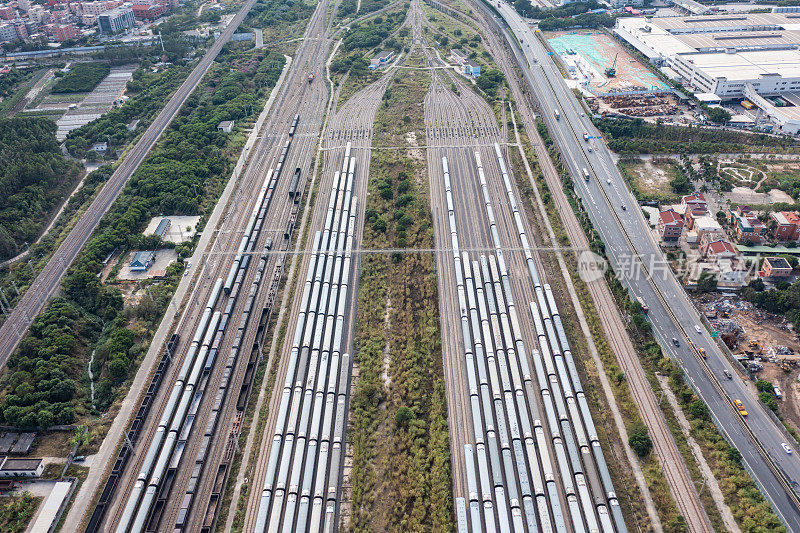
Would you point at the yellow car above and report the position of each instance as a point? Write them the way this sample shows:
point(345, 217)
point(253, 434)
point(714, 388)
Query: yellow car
point(740, 407)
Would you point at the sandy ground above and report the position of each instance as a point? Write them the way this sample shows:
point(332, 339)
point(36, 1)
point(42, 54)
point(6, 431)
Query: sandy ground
point(182, 228)
point(163, 259)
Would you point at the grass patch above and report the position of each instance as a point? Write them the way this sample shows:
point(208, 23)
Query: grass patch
point(651, 179)
point(401, 477)
point(17, 511)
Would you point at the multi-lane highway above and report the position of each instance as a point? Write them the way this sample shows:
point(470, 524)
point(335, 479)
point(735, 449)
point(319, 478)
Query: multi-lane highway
point(48, 281)
point(638, 261)
point(178, 468)
point(525, 451)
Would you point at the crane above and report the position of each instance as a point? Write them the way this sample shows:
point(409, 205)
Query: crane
point(612, 70)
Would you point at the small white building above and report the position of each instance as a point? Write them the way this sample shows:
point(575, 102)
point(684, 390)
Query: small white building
point(15, 468)
point(226, 126)
point(381, 60)
point(458, 56)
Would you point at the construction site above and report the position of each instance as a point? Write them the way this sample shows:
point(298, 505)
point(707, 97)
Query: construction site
point(601, 65)
point(765, 344)
point(638, 105)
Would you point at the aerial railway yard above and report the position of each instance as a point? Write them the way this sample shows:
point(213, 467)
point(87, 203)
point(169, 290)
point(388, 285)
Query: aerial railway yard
point(525, 452)
point(178, 467)
point(298, 473)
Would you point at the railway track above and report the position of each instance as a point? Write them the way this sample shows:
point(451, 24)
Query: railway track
point(530, 455)
point(205, 435)
point(674, 470)
point(48, 281)
point(300, 463)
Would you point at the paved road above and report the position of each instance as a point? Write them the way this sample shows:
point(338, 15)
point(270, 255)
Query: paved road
point(48, 281)
point(639, 262)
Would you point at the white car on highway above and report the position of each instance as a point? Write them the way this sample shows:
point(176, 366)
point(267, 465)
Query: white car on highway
point(786, 448)
point(697, 329)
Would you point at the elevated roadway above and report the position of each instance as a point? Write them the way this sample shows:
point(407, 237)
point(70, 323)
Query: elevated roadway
point(642, 267)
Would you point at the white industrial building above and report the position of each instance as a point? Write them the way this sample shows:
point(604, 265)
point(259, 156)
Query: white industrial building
point(741, 55)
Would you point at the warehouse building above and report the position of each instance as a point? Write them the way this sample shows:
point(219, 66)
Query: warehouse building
point(743, 55)
point(10, 467)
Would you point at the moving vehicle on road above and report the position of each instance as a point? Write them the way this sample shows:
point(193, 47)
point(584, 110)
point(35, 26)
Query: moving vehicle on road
point(310, 77)
point(586, 136)
point(645, 309)
point(624, 207)
point(557, 114)
point(727, 373)
point(697, 329)
point(675, 341)
point(740, 407)
point(786, 448)
point(585, 173)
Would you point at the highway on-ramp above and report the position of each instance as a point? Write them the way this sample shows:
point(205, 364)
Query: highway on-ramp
point(48, 281)
point(642, 267)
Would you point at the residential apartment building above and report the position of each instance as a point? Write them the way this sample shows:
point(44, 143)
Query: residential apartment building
point(116, 20)
point(670, 225)
point(746, 225)
point(719, 249)
point(775, 268)
point(787, 225)
point(63, 32)
point(8, 33)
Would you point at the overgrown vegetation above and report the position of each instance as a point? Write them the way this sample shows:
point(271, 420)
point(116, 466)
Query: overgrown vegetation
point(783, 300)
point(348, 7)
point(34, 178)
point(565, 16)
point(149, 92)
point(364, 37)
point(282, 12)
point(184, 174)
point(17, 511)
point(640, 137)
point(82, 78)
point(9, 81)
point(401, 455)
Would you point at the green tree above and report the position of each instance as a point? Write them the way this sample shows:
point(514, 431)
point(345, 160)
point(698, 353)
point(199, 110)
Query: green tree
point(639, 439)
point(763, 385)
point(707, 282)
point(403, 416)
point(698, 409)
point(718, 115)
